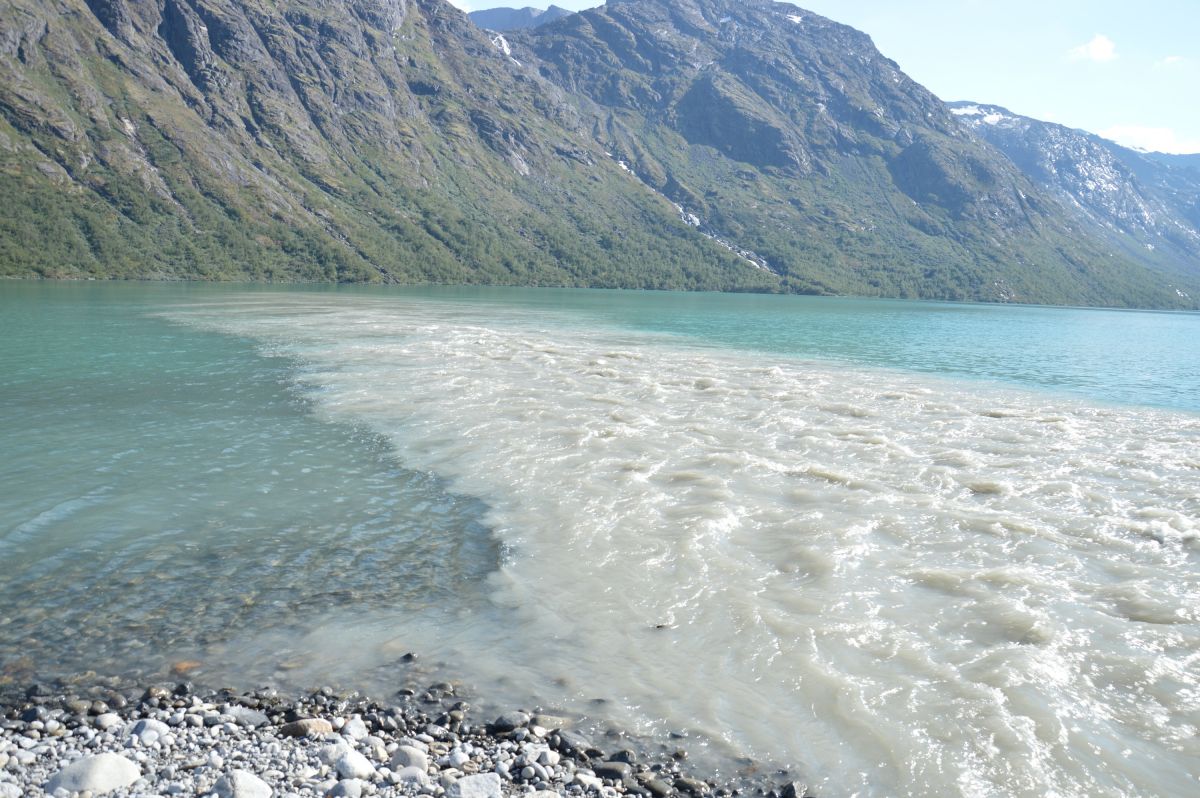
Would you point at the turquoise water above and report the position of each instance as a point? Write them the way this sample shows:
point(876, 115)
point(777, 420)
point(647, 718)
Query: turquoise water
point(921, 548)
point(1134, 357)
point(144, 462)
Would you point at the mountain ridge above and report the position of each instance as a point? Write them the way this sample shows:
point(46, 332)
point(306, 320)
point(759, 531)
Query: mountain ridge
point(1135, 196)
point(868, 182)
point(506, 19)
point(697, 144)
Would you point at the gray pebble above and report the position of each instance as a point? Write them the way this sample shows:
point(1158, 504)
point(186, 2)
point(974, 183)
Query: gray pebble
point(349, 788)
point(241, 784)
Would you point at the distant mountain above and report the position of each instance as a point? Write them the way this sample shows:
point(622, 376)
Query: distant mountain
point(695, 144)
point(1148, 202)
point(791, 137)
point(505, 19)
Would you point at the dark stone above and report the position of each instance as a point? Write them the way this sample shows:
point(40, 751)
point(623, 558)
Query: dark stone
point(572, 742)
point(691, 786)
point(658, 788)
point(77, 706)
point(624, 755)
point(509, 721)
point(617, 771)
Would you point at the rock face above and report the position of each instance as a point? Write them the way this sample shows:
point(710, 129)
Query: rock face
point(1148, 200)
point(697, 144)
point(100, 774)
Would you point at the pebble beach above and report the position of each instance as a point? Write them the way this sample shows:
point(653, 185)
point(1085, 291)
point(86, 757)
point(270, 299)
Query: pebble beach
point(107, 738)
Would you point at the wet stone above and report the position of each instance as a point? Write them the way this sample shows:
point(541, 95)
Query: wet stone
point(658, 788)
point(616, 771)
point(510, 721)
point(794, 789)
point(691, 786)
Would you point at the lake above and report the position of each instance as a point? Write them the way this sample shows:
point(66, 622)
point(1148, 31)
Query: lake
point(906, 548)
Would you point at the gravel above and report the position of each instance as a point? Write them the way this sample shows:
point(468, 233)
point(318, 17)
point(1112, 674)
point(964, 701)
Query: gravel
point(168, 741)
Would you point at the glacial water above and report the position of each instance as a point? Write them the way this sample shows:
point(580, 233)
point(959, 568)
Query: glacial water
point(903, 548)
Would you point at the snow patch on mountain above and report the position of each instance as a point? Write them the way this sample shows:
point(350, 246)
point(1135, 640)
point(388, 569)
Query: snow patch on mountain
point(989, 117)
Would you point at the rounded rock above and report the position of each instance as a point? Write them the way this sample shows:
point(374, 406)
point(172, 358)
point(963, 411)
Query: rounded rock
point(348, 788)
point(407, 756)
point(99, 774)
point(484, 785)
point(353, 765)
point(308, 727)
point(241, 784)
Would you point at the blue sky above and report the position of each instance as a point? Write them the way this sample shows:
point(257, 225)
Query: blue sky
point(1126, 70)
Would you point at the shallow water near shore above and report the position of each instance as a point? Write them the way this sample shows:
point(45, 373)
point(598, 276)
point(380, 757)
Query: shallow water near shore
point(906, 548)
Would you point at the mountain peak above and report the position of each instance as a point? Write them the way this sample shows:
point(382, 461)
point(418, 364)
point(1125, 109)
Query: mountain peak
point(507, 19)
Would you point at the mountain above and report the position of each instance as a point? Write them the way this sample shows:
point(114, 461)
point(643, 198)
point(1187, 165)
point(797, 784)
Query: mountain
point(792, 136)
point(505, 19)
point(383, 140)
point(1147, 202)
point(699, 144)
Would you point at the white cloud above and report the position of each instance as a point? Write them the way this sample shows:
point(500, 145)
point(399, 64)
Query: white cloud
point(1154, 139)
point(1171, 61)
point(1099, 49)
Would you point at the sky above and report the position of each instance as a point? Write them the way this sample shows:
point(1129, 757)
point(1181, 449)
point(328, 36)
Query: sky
point(1129, 71)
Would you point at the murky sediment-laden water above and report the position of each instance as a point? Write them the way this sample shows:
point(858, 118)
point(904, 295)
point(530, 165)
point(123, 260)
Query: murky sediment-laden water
point(908, 559)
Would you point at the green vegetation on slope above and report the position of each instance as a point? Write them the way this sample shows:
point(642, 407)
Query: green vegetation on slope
point(400, 148)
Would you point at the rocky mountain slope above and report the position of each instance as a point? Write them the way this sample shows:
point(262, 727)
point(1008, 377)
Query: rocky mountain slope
point(714, 144)
point(504, 19)
point(793, 136)
point(1148, 202)
point(311, 139)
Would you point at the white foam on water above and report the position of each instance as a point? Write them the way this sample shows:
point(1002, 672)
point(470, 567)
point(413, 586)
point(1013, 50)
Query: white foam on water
point(899, 584)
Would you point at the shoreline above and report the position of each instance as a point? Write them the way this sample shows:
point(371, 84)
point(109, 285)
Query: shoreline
point(111, 737)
